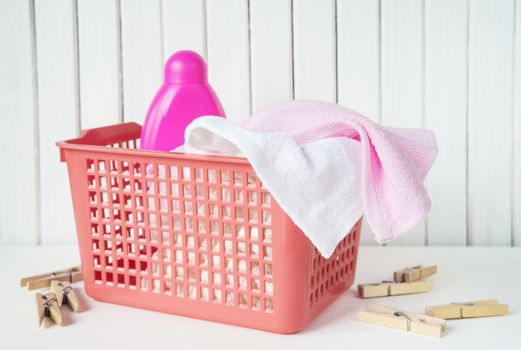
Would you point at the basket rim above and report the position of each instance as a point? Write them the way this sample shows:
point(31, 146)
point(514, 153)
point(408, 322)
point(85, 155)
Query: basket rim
point(85, 142)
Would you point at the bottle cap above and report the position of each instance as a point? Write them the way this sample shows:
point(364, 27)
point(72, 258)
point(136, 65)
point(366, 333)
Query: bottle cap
point(185, 67)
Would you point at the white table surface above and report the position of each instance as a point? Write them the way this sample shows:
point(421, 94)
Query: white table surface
point(464, 274)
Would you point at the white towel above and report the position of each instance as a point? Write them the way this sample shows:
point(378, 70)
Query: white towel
point(324, 173)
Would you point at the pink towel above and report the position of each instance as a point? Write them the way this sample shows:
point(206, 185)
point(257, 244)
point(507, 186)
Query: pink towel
point(394, 162)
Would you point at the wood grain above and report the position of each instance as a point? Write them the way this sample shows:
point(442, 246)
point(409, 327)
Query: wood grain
point(229, 55)
point(184, 26)
point(271, 52)
point(58, 112)
point(314, 43)
point(359, 56)
point(516, 136)
point(19, 210)
point(142, 56)
point(491, 35)
point(99, 63)
point(453, 66)
point(446, 105)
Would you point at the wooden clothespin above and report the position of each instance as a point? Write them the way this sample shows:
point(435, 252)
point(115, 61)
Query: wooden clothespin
point(479, 308)
point(47, 306)
point(384, 289)
point(65, 294)
point(415, 273)
point(71, 275)
point(406, 321)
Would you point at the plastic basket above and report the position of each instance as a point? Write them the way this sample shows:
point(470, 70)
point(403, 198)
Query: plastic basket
point(194, 235)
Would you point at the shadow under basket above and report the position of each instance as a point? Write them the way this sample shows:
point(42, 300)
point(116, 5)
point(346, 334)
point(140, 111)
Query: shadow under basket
point(194, 235)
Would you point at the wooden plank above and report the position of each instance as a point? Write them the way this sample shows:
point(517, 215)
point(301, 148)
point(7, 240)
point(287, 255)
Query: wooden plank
point(99, 63)
point(491, 35)
point(228, 55)
point(402, 76)
point(516, 140)
point(358, 32)
point(142, 56)
point(445, 111)
point(58, 113)
point(184, 26)
point(314, 43)
point(359, 56)
point(271, 52)
point(18, 125)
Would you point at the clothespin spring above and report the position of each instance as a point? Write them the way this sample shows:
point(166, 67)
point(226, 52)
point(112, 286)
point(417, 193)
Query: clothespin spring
point(65, 292)
point(400, 313)
point(47, 305)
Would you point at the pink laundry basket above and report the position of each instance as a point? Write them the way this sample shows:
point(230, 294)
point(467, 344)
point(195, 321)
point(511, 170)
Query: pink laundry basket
point(194, 235)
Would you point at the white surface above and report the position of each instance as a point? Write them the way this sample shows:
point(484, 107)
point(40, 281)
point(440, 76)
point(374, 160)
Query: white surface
point(314, 50)
point(58, 105)
point(18, 125)
point(358, 51)
point(470, 74)
point(464, 274)
point(446, 103)
point(183, 26)
point(490, 113)
point(516, 138)
point(271, 52)
point(229, 55)
point(99, 31)
point(142, 56)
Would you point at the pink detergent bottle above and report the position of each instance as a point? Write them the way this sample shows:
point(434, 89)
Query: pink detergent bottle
point(184, 96)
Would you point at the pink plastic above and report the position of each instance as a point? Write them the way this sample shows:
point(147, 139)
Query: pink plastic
point(184, 96)
point(194, 235)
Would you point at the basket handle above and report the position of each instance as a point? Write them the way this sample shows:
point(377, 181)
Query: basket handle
point(108, 134)
point(103, 136)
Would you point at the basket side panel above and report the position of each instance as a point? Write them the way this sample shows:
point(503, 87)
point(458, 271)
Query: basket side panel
point(191, 237)
point(329, 278)
point(195, 236)
point(291, 256)
point(76, 167)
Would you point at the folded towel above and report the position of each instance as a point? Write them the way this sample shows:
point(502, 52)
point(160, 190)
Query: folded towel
point(394, 162)
point(351, 163)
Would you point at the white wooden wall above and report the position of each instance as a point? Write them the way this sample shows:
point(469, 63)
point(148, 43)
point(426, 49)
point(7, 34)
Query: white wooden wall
point(450, 65)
